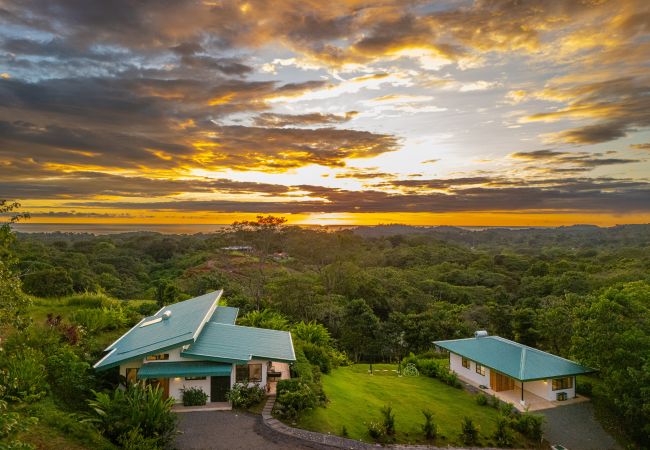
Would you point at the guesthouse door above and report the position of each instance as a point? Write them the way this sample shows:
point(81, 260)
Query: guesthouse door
point(218, 388)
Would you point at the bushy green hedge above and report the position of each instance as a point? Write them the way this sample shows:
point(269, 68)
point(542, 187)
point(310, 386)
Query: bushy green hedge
point(194, 396)
point(434, 368)
point(293, 397)
point(243, 396)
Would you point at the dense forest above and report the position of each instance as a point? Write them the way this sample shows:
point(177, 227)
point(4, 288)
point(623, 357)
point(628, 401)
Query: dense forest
point(383, 292)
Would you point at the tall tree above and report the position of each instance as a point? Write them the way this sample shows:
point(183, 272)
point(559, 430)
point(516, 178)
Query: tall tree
point(612, 334)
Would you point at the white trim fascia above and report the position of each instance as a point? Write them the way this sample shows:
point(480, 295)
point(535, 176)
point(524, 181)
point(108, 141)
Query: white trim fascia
point(208, 315)
point(105, 356)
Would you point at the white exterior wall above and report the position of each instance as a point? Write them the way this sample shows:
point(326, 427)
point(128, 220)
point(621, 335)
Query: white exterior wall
point(544, 389)
point(178, 383)
point(456, 365)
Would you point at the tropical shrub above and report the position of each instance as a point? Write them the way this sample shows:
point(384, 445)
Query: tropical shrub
point(312, 333)
point(429, 368)
point(96, 320)
point(502, 435)
point(481, 399)
point(429, 427)
point(243, 396)
point(194, 396)
point(389, 419)
point(318, 356)
point(376, 430)
point(141, 406)
point(468, 431)
point(584, 388)
point(530, 425)
point(293, 397)
point(24, 375)
point(68, 375)
point(265, 319)
point(134, 440)
point(11, 424)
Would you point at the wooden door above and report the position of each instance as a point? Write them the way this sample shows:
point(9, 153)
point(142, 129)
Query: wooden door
point(493, 380)
point(218, 388)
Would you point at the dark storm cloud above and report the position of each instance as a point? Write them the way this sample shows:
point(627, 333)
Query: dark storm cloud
point(581, 195)
point(52, 185)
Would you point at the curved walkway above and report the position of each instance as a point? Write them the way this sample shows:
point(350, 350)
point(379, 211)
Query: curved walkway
point(207, 430)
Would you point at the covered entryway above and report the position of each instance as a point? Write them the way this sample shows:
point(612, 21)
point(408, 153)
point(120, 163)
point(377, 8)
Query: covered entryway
point(219, 386)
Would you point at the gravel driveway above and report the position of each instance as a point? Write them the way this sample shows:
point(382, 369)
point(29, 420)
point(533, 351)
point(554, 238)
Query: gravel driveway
point(576, 428)
point(227, 430)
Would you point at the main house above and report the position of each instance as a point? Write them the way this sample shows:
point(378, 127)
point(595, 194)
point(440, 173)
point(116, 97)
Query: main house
point(503, 365)
point(195, 343)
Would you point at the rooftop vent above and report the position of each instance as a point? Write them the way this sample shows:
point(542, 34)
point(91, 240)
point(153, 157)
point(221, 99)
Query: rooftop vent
point(480, 333)
point(166, 315)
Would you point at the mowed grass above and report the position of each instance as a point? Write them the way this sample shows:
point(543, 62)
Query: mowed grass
point(355, 398)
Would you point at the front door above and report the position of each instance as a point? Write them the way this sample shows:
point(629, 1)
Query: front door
point(218, 388)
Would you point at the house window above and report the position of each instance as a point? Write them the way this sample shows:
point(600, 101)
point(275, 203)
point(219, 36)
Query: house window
point(562, 383)
point(480, 369)
point(158, 357)
point(465, 363)
point(131, 375)
point(242, 374)
point(255, 372)
point(194, 378)
point(250, 372)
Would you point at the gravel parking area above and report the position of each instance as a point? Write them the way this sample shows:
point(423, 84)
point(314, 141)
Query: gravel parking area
point(576, 428)
point(227, 430)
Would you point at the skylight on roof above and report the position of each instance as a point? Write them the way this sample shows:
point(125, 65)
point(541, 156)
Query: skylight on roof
point(151, 322)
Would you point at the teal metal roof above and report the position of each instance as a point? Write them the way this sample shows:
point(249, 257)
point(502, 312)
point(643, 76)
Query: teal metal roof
point(518, 361)
point(225, 314)
point(237, 344)
point(184, 369)
point(182, 327)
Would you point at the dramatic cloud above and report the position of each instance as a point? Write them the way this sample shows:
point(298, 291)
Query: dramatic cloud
point(268, 107)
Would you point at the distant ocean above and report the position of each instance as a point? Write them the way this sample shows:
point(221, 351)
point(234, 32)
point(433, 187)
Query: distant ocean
point(109, 228)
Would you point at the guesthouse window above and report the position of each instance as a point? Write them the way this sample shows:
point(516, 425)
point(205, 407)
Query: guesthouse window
point(480, 369)
point(562, 383)
point(250, 372)
point(465, 363)
point(131, 375)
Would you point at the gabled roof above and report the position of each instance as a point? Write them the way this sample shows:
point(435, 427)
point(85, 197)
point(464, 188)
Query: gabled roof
point(157, 333)
point(516, 360)
point(237, 344)
point(225, 314)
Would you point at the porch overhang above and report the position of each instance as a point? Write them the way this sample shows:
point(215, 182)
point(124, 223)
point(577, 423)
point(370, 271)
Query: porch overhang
point(184, 369)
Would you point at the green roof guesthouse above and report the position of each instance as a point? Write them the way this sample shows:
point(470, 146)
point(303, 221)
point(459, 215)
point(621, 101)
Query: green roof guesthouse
point(195, 343)
point(522, 375)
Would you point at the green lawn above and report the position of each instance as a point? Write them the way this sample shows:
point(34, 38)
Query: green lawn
point(355, 398)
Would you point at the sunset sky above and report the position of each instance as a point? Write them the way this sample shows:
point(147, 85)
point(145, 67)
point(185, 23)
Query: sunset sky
point(490, 112)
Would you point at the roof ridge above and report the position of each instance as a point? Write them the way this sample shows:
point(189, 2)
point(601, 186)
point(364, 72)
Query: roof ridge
point(522, 364)
point(246, 326)
point(527, 347)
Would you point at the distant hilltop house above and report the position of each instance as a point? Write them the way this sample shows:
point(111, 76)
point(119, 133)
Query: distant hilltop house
point(195, 343)
point(238, 248)
point(512, 371)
